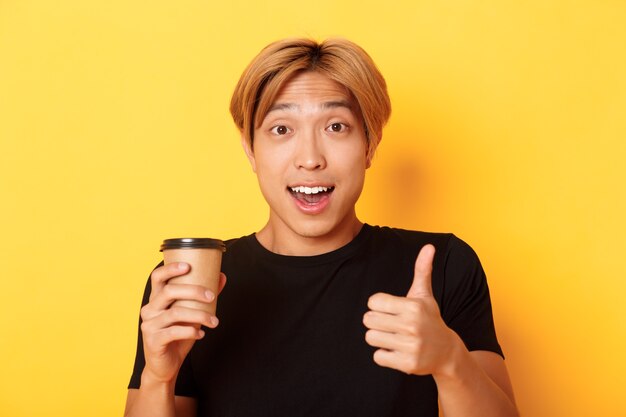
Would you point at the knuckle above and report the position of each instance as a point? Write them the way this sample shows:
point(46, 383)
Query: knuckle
point(146, 329)
point(378, 357)
point(167, 292)
point(165, 272)
point(374, 299)
point(199, 292)
point(206, 317)
point(410, 329)
point(145, 312)
point(176, 313)
point(367, 318)
point(158, 275)
point(414, 308)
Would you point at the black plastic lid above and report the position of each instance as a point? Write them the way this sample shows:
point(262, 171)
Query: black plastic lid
point(193, 243)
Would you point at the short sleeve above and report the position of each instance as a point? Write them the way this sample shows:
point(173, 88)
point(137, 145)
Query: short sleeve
point(185, 384)
point(466, 304)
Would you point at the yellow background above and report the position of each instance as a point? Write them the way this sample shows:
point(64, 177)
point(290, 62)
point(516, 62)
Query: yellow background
point(508, 129)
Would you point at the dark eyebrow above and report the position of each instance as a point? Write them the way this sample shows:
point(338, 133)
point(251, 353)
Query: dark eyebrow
point(325, 105)
point(335, 104)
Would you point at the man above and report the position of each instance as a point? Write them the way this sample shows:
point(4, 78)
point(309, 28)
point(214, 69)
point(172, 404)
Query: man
point(322, 315)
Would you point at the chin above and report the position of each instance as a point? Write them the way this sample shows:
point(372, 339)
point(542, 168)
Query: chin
point(320, 228)
point(314, 230)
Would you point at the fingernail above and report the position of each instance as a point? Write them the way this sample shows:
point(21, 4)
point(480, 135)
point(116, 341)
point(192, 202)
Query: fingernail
point(201, 332)
point(209, 296)
point(214, 321)
point(182, 265)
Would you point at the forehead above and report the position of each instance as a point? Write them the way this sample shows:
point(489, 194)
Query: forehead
point(312, 87)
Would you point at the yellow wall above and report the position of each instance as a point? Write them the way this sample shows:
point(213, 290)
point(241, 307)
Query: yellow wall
point(508, 129)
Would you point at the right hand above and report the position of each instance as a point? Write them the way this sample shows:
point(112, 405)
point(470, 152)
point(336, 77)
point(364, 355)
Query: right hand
point(169, 333)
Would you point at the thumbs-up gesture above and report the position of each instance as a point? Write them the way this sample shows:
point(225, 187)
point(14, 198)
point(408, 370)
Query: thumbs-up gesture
point(409, 331)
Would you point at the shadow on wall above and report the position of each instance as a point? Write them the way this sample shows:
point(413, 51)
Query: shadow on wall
point(401, 186)
point(404, 188)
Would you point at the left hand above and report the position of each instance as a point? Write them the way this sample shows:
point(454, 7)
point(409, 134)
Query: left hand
point(409, 331)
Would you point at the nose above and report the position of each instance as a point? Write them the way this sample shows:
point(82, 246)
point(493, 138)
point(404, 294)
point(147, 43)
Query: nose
point(309, 152)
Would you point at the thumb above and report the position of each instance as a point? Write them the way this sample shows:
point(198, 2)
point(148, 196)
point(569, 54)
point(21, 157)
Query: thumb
point(422, 279)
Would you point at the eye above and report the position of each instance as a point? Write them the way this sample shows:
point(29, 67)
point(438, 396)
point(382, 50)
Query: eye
point(280, 130)
point(337, 127)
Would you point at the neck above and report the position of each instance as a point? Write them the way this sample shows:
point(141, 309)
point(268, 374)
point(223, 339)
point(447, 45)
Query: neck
point(282, 240)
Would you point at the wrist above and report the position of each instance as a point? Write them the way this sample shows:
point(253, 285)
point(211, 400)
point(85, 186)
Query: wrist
point(458, 361)
point(151, 382)
point(154, 398)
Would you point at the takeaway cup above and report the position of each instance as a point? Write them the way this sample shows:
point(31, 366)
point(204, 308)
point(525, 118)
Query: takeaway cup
point(204, 257)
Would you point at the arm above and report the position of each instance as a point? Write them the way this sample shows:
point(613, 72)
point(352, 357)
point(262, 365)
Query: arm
point(480, 383)
point(155, 401)
point(168, 333)
point(413, 338)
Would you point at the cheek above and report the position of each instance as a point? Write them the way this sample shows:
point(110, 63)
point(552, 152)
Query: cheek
point(270, 167)
point(270, 156)
point(350, 162)
point(351, 177)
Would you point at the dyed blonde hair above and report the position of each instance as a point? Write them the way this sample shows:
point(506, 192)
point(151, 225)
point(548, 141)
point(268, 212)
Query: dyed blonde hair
point(338, 59)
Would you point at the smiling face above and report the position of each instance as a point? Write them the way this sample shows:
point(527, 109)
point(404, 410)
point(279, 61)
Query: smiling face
point(310, 157)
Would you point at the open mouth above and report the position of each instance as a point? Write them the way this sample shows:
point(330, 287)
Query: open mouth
point(310, 195)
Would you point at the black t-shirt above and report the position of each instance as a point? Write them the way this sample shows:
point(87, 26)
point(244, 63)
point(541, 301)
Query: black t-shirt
point(291, 340)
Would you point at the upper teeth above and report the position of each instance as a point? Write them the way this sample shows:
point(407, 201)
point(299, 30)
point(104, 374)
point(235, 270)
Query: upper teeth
point(309, 190)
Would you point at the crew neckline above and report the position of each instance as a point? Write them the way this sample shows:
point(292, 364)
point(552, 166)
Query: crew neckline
point(343, 252)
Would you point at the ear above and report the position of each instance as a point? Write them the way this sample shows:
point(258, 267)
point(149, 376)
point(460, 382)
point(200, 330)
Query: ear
point(368, 154)
point(247, 148)
point(368, 157)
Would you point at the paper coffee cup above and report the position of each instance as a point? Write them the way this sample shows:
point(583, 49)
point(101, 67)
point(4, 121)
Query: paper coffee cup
point(204, 257)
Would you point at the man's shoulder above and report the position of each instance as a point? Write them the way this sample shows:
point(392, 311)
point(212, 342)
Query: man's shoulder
point(446, 243)
point(411, 237)
point(236, 241)
point(238, 245)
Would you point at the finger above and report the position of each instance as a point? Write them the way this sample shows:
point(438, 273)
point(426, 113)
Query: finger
point(390, 323)
point(222, 282)
point(175, 292)
point(178, 315)
point(398, 360)
point(387, 303)
point(422, 278)
point(389, 341)
point(173, 334)
point(162, 274)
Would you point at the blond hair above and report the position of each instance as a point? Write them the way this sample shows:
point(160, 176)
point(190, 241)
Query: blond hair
point(338, 59)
